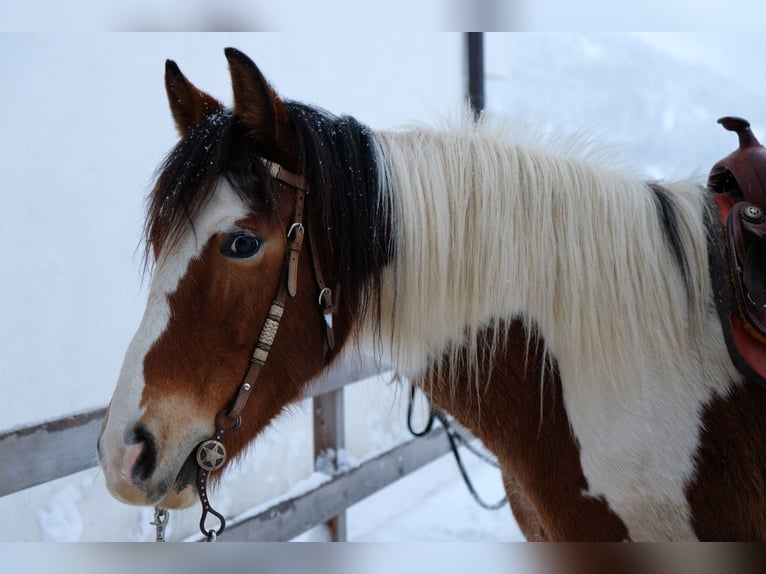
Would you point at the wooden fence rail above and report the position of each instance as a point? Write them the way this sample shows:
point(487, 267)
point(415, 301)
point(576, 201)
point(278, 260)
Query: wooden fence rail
point(42, 452)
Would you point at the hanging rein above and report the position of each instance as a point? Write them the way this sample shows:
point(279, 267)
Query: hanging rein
point(455, 439)
point(211, 454)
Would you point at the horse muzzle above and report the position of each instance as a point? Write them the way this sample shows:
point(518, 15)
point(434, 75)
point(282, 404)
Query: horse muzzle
point(136, 474)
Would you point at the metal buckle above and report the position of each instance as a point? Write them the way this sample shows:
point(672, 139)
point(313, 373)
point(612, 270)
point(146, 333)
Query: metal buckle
point(294, 227)
point(219, 422)
point(322, 294)
point(161, 518)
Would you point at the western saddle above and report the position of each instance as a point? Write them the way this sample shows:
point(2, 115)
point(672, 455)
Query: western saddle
point(738, 250)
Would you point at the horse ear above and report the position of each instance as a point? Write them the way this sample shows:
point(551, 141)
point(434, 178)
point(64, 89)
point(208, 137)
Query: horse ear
point(255, 101)
point(188, 104)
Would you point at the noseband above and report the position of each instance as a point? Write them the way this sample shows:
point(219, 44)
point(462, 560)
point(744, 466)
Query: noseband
point(211, 454)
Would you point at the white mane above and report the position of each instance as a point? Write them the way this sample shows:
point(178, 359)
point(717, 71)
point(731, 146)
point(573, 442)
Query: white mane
point(488, 229)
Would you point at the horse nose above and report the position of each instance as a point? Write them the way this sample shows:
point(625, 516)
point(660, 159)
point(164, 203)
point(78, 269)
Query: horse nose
point(141, 454)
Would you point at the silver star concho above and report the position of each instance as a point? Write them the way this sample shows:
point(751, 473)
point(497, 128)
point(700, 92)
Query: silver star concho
point(211, 455)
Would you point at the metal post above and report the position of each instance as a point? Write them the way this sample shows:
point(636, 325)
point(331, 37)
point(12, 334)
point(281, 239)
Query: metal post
point(475, 56)
point(329, 437)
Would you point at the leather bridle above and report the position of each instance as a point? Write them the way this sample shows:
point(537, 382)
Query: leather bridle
point(211, 454)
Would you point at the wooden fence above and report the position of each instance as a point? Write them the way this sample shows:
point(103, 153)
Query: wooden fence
point(36, 454)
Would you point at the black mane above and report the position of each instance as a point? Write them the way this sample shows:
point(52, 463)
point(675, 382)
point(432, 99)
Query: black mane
point(216, 147)
point(340, 162)
point(671, 226)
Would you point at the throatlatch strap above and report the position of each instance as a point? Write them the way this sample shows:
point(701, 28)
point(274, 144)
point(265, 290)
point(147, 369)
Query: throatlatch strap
point(295, 244)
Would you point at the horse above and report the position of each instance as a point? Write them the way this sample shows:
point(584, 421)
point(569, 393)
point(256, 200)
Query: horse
point(554, 303)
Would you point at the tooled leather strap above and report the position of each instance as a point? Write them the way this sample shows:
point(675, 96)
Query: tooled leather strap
point(325, 296)
point(287, 287)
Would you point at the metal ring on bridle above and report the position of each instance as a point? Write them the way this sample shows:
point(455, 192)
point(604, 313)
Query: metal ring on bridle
point(222, 429)
point(323, 293)
point(293, 227)
point(211, 534)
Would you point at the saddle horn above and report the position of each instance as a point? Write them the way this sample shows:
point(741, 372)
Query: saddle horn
point(743, 172)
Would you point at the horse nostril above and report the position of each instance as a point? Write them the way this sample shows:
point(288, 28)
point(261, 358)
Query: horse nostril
point(147, 460)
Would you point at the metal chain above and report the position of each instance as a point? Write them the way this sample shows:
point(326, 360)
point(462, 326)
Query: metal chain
point(161, 518)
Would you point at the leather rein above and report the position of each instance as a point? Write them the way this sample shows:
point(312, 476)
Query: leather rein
point(211, 454)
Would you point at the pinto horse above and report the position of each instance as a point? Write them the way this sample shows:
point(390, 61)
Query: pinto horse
point(555, 304)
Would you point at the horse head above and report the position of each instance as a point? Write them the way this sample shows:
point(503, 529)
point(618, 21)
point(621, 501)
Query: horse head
point(222, 232)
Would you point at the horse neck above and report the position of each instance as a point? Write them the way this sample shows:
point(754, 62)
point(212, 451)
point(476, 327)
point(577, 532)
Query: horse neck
point(486, 231)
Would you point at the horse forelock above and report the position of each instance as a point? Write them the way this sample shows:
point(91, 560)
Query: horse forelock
point(215, 149)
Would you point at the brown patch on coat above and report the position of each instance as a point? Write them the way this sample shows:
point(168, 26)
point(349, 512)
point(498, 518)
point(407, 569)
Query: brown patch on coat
point(728, 493)
point(538, 454)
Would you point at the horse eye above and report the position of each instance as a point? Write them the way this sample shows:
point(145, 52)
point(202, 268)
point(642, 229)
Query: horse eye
point(241, 245)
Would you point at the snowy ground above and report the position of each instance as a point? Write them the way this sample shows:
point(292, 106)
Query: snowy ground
point(86, 123)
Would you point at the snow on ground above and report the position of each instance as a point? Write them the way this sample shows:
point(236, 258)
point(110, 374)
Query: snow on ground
point(433, 505)
point(86, 123)
point(430, 505)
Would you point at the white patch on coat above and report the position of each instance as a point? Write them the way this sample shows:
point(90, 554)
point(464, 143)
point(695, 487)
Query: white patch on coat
point(125, 410)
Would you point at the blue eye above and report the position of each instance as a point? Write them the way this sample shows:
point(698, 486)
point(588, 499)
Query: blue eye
point(241, 246)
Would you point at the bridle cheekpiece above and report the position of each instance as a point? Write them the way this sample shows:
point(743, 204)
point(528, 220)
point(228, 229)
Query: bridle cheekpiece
point(211, 454)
